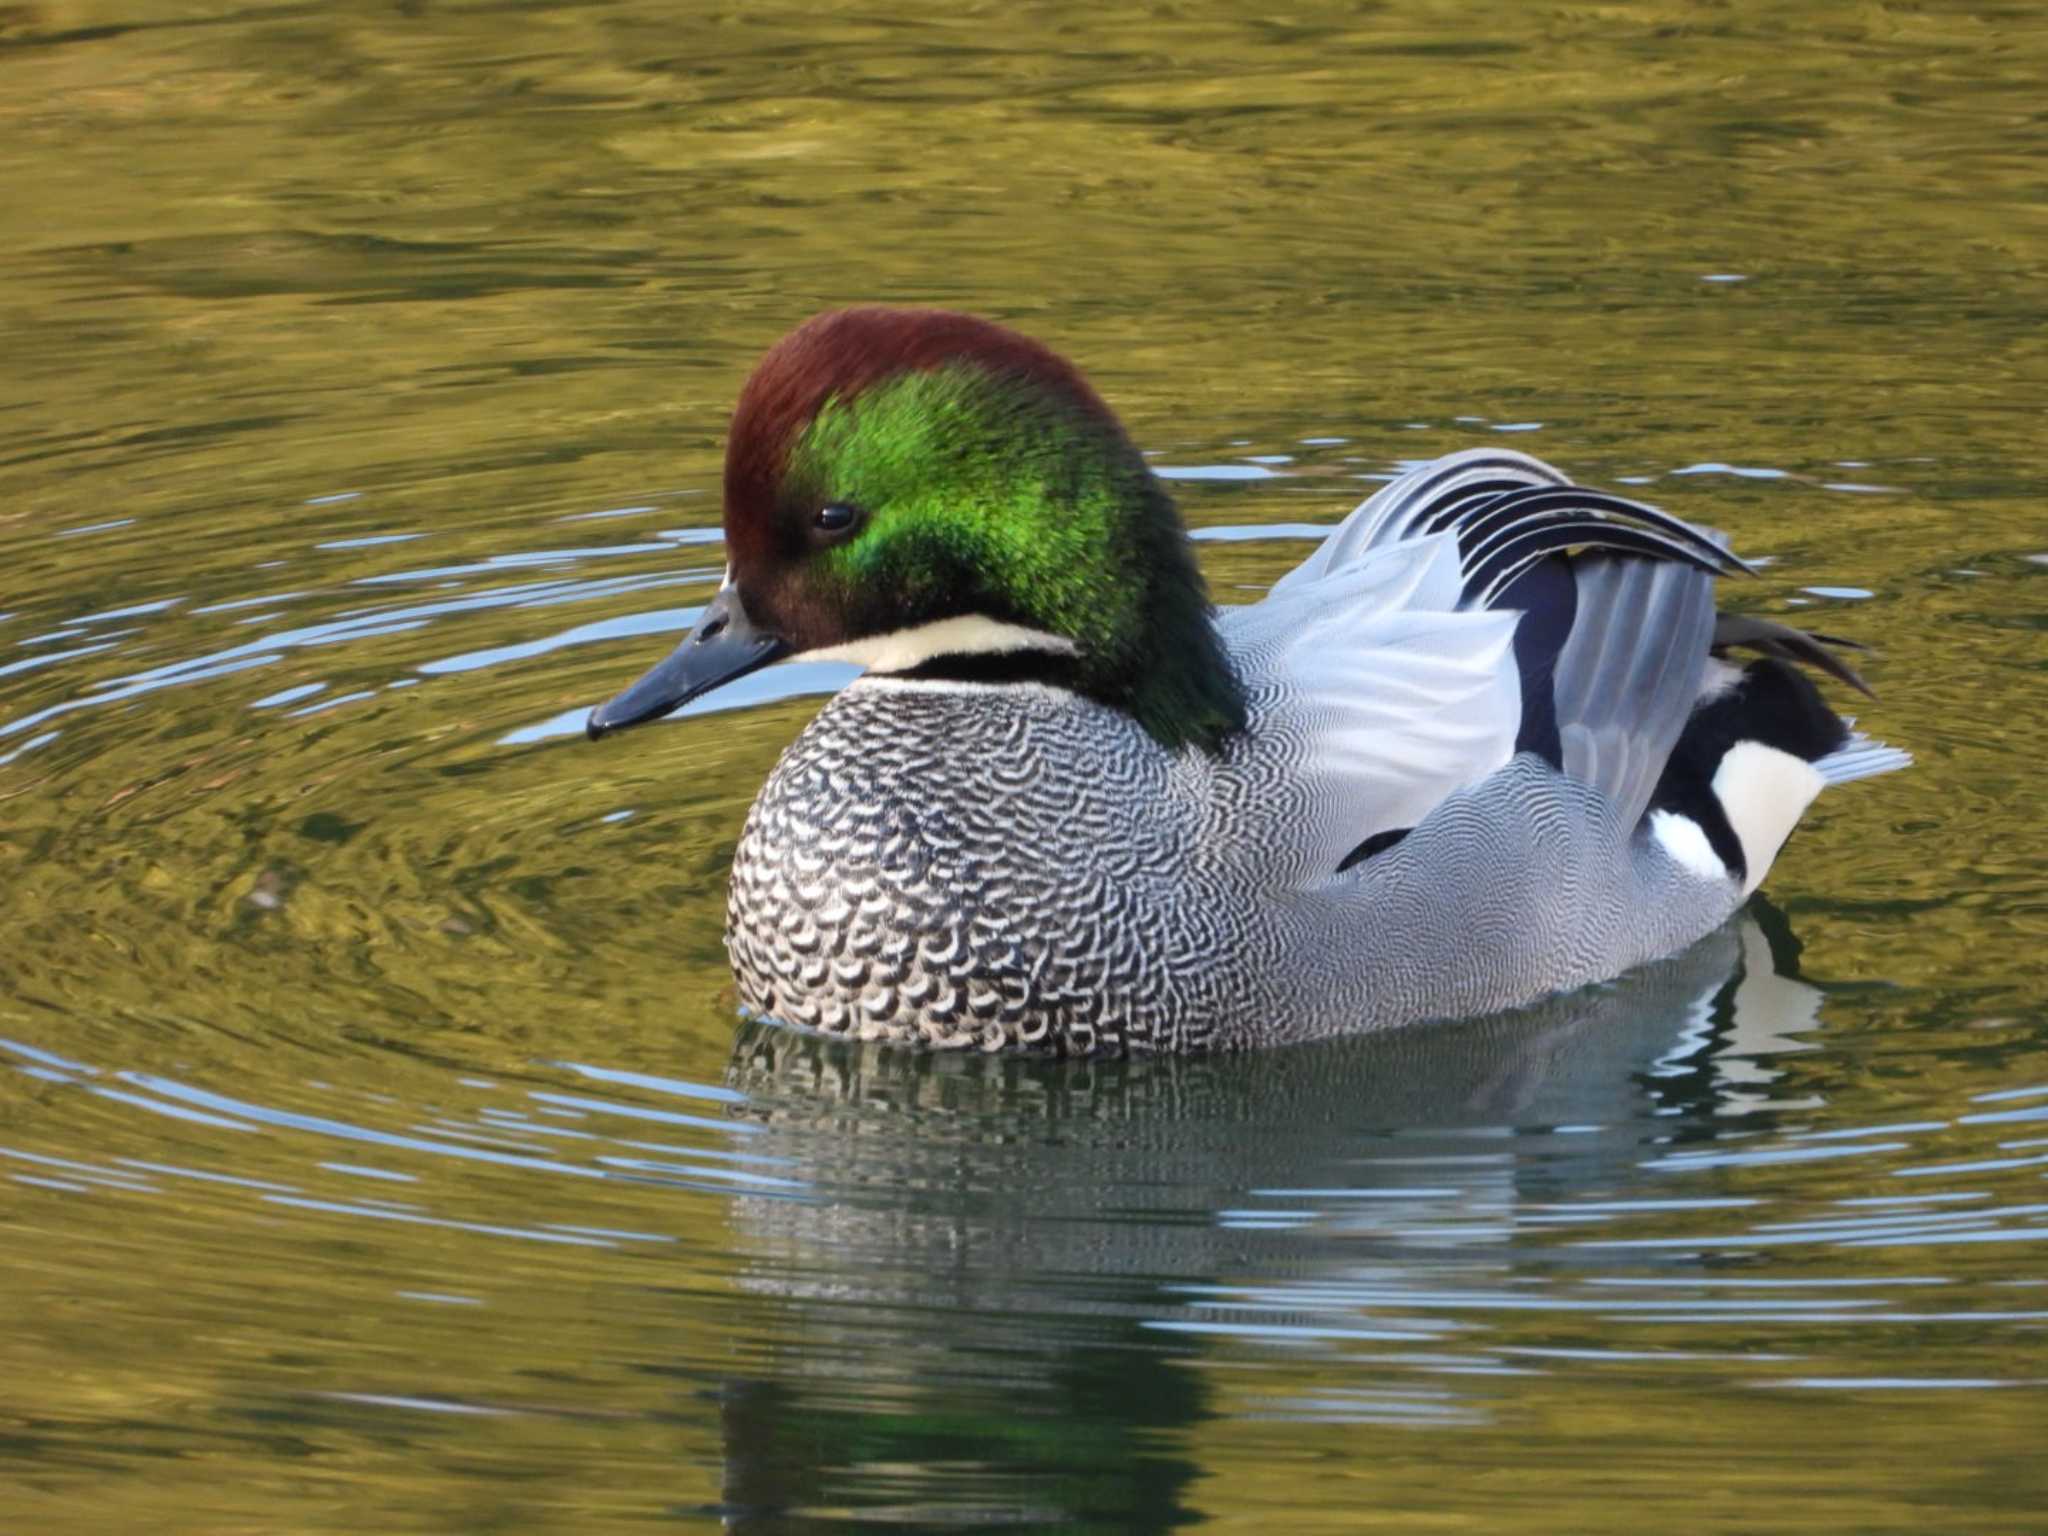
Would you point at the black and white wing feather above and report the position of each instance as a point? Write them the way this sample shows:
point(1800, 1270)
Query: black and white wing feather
point(1479, 606)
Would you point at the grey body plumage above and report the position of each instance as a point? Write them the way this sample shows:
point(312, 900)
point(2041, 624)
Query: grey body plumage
point(962, 865)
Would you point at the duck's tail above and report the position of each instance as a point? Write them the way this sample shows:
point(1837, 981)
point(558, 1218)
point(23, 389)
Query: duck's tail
point(1861, 757)
point(1759, 746)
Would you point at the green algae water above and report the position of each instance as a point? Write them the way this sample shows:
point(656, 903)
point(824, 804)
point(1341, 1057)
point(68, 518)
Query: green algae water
point(378, 1147)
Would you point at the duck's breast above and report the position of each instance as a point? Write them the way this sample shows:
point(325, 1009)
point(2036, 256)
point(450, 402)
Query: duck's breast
point(964, 864)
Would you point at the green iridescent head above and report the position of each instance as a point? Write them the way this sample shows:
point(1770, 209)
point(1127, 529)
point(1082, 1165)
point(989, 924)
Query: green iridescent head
point(929, 493)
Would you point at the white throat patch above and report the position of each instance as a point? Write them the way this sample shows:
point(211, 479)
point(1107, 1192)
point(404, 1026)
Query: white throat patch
point(970, 634)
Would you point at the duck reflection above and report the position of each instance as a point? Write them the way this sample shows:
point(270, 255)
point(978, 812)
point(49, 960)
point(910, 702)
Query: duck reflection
point(994, 1298)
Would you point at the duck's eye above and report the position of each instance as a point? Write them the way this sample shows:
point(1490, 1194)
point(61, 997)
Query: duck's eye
point(835, 518)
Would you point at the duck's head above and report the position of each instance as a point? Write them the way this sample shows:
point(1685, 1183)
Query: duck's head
point(930, 494)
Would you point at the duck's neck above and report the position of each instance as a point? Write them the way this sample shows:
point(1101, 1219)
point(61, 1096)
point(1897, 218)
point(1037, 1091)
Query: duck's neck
point(1180, 685)
point(1169, 670)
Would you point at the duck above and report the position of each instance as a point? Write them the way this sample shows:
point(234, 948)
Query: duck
point(1490, 742)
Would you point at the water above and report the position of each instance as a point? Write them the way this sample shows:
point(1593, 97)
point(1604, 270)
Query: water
point(378, 1150)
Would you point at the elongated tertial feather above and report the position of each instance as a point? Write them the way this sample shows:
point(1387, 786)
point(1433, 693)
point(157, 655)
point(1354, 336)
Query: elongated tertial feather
point(1741, 631)
point(1508, 511)
point(1629, 673)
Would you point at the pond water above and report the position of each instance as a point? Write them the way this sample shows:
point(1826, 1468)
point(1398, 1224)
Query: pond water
point(378, 1146)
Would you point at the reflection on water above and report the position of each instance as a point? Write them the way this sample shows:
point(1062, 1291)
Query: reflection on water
point(848, 1281)
point(376, 1148)
point(1138, 1245)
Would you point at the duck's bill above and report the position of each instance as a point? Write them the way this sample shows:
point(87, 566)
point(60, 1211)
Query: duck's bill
point(724, 645)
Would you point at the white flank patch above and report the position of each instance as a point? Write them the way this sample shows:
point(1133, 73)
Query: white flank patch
point(1763, 792)
point(971, 634)
point(1686, 842)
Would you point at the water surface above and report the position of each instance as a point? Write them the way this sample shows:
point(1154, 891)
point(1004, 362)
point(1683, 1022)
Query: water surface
point(378, 1147)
